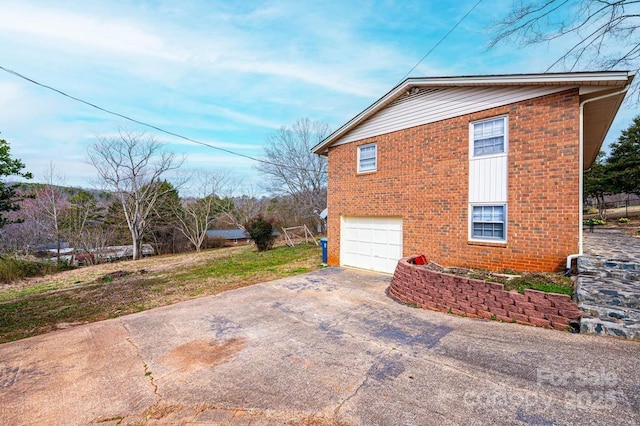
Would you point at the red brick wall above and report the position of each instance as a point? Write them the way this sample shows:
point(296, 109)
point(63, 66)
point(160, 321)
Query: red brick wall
point(475, 298)
point(423, 176)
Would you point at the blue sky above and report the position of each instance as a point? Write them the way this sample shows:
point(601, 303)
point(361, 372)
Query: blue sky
point(225, 73)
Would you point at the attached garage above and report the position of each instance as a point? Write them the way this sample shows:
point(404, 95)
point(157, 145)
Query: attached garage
point(369, 242)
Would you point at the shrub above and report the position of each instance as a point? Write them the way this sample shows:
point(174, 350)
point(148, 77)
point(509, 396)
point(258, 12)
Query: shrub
point(216, 242)
point(261, 232)
point(13, 268)
point(623, 220)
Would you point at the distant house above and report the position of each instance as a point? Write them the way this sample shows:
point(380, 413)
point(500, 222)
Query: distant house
point(477, 171)
point(231, 236)
point(51, 246)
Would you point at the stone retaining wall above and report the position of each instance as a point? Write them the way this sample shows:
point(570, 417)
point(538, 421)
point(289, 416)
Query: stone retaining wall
point(480, 299)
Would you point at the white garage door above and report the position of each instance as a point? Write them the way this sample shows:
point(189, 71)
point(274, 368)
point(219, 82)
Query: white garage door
point(371, 242)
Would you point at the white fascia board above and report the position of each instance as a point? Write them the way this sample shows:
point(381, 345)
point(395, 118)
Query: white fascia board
point(579, 78)
point(604, 78)
point(374, 107)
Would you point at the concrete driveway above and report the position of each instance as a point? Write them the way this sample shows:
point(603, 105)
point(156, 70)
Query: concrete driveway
point(328, 347)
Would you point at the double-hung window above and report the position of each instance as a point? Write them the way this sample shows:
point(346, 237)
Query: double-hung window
point(489, 137)
point(488, 222)
point(367, 158)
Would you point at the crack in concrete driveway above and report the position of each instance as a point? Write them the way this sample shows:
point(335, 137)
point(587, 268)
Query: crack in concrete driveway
point(328, 347)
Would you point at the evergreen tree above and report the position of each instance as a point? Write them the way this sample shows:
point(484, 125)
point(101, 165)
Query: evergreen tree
point(9, 197)
point(161, 224)
point(623, 165)
point(596, 183)
point(261, 232)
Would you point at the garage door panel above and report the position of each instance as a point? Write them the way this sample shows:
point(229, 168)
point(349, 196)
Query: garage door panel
point(380, 236)
point(363, 248)
point(365, 234)
point(371, 242)
point(395, 238)
point(365, 261)
point(393, 224)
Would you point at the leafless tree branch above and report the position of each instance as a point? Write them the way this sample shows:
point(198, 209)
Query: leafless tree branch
point(306, 180)
point(601, 34)
point(131, 166)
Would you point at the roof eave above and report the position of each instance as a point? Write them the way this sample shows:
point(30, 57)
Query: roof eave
point(601, 78)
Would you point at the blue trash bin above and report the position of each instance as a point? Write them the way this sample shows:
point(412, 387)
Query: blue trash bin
point(323, 244)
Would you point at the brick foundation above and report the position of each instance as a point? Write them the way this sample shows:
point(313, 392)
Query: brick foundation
point(480, 299)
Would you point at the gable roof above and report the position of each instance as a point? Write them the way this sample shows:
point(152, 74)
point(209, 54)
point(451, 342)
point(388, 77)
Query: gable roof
point(598, 115)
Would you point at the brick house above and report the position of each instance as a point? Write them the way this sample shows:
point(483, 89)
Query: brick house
point(230, 236)
point(480, 171)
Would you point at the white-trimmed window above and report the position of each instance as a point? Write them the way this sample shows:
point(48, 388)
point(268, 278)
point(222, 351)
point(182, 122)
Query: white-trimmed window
point(367, 158)
point(488, 222)
point(489, 137)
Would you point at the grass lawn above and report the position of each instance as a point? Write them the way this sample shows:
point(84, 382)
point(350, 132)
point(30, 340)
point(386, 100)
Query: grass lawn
point(37, 306)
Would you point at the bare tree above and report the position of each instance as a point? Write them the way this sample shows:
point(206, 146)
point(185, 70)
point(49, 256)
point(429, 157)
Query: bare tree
point(291, 168)
point(23, 235)
point(601, 34)
point(82, 220)
point(236, 211)
point(196, 215)
point(131, 165)
point(52, 202)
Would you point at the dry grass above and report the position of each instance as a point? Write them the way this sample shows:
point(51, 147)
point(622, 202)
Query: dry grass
point(153, 264)
point(38, 305)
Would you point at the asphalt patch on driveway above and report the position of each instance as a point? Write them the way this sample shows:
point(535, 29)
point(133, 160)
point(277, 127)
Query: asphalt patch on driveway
point(409, 332)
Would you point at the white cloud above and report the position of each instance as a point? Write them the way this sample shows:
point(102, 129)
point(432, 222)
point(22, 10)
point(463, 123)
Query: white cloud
point(58, 26)
point(198, 161)
point(228, 73)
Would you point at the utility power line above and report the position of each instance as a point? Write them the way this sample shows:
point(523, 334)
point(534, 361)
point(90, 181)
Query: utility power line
point(228, 151)
point(151, 126)
point(441, 40)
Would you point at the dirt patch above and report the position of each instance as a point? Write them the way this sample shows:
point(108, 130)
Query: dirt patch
point(519, 281)
point(114, 275)
point(203, 352)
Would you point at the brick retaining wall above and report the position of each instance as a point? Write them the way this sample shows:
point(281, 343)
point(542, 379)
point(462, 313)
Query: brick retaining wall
point(480, 299)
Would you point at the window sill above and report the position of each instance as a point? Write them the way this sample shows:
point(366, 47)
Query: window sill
point(498, 244)
point(487, 156)
point(368, 172)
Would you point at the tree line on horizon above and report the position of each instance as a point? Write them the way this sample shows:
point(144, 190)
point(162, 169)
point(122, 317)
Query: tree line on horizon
point(140, 197)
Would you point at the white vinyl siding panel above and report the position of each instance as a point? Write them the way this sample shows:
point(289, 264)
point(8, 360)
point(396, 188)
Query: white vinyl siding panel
point(488, 180)
point(373, 243)
point(431, 105)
